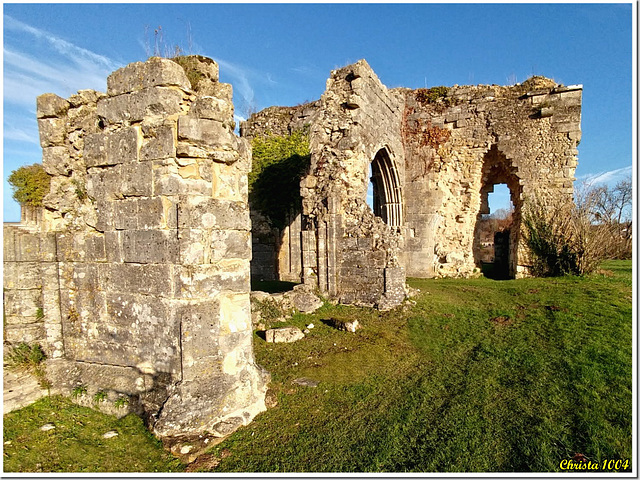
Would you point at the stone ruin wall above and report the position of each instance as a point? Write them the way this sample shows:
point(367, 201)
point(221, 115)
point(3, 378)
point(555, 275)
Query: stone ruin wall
point(347, 252)
point(135, 277)
point(141, 263)
point(525, 135)
point(447, 153)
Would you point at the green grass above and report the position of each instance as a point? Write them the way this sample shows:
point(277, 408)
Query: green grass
point(479, 375)
point(76, 444)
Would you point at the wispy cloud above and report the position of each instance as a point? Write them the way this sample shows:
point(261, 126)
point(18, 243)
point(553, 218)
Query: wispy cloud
point(241, 76)
point(611, 176)
point(58, 66)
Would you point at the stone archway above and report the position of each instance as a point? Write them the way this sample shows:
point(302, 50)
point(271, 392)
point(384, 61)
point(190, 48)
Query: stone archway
point(387, 193)
point(498, 169)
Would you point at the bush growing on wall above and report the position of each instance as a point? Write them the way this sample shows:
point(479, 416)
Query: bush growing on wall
point(279, 162)
point(30, 184)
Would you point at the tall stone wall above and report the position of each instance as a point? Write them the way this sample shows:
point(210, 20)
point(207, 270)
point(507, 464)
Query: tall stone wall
point(149, 218)
point(346, 251)
point(461, 144)
point(435, 156)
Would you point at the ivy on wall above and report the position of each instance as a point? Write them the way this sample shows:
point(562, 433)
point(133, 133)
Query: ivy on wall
point(279, 162)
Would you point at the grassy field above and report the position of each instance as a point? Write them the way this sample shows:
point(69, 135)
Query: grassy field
point(478, 375)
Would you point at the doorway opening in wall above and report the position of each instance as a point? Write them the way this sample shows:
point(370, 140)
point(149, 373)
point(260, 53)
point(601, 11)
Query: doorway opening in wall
point(497, 230)
point(494, 232)
point(384, 195)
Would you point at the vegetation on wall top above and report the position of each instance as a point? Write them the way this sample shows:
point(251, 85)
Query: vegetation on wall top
point(274, 181)
point(30, 184)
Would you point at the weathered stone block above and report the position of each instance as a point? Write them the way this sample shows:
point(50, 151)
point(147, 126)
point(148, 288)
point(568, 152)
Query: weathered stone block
point(158, 142)
point(122, 146)
point(134, 107)
point(95, 151)
point(22, 275)
point(284, 335)
point(154, 72)
point(207, 213)
point(206, 133)
point(80, 247)
point(150, 246)
point(145, 279)
point(52, 132)
point(83, 118)
point(136, 180)
point(104, 183)
point(51, 105)
point(113, 247)
point(56, 161)
point(206, 281)
point(23, 303)
point(213, 108)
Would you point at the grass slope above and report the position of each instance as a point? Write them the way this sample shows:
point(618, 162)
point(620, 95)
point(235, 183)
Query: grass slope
point(479, 375)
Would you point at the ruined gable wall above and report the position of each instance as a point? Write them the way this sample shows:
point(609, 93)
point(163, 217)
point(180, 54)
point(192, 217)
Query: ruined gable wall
point(357, 253)
point(536, 126)
point(148, 207)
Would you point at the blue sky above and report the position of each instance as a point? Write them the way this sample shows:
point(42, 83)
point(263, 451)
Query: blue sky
point(282, 55)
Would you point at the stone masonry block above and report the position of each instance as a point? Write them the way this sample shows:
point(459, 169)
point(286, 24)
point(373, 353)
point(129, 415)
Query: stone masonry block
point(203, 247)
point(137, 179)
point(134, 107)
point(207, 133)
point(125, 214)
point(51, 105)
point(22, 275)
point(200, 332)
point(81, 247)
point(23, 303)
point(95, 151)
point(56, 161)
point(206, 281)
point(113, 247)
point(213, 108)
point(207, 213)
point(154, 72)
point(150, 246)
point(158, 142)
point(122, 146)
point(139, 279)
point(52, 132)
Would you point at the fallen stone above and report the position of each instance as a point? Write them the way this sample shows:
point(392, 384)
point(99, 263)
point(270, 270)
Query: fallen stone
point(305, 382)
point(284, 335)
point(110, 434)
point(303, 300)
point(47, 426)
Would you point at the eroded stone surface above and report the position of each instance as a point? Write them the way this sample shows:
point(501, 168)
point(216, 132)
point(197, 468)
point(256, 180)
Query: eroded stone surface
point(136, 278)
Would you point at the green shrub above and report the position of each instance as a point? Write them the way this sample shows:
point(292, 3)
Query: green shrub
point(279, 162)
point(30, 184)
point(562, 238)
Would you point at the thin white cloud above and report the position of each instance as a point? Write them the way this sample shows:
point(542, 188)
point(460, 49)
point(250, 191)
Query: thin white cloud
point(77, 54)
point(21, 135)
point(610, 176)
point(59, 66)
point(241, 75)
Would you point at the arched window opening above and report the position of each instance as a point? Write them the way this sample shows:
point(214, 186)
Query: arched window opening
point(383, 194)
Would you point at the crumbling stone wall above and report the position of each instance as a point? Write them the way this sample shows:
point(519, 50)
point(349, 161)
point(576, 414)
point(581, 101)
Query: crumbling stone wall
point(347, 251)
point(460, 145)
point(436, 155)
point(148, 234)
